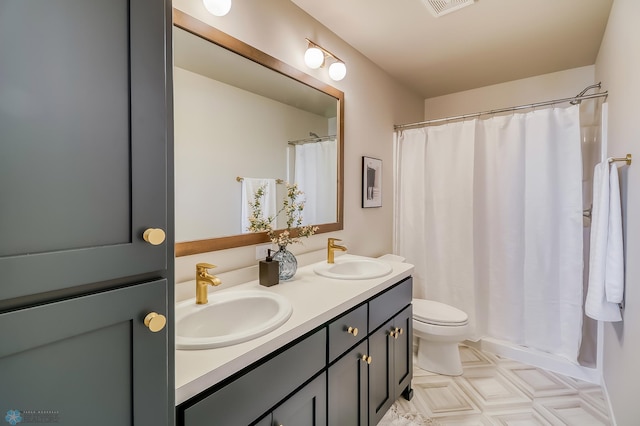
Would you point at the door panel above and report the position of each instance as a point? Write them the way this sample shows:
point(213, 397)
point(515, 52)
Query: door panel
point(307, 407)
point(348, 384)
point(380, 373)
point(403, 351)
point(83, 143)
point(88, 360)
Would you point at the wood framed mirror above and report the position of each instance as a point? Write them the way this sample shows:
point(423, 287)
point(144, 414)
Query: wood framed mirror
point(240, 113)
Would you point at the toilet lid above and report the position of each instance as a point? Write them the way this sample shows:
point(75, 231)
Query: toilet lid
point(437, 313)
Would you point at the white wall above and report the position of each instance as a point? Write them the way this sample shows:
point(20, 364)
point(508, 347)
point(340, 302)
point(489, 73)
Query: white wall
point(373, 104)
point(557, 85)
point(618, 65)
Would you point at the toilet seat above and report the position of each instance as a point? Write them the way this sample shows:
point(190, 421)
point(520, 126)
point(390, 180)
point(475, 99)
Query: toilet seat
point(436, 313)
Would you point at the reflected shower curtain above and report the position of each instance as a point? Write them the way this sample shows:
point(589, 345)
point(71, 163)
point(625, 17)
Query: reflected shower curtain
point(490, 212)
point(316, 173)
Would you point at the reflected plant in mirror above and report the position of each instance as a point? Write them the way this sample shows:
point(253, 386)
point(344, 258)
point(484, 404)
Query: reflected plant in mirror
point(292, 208)
point(239, 112)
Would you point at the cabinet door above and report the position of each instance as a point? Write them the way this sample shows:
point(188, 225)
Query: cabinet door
point(83, 141)
point(307, 407)
point(381, 382)
point(348, 384)
point(403, 351)
point(88, 360)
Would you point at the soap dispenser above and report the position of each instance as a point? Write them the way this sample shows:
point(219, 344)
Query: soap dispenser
point(269, 271)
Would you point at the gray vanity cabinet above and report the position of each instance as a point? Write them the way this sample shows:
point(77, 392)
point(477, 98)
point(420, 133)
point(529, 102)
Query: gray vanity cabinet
point(264, 386)
point(348, 372)
point(361, 390)
point(85, 168)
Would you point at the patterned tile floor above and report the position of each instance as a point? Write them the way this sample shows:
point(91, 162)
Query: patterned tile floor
point(498, 391)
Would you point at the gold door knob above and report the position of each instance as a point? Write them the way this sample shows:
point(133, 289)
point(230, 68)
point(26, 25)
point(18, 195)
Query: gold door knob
point(366, 358)
point(353, 330)
point(154, 236)
point(401, 331)
point(393, 334)
point(155, 321)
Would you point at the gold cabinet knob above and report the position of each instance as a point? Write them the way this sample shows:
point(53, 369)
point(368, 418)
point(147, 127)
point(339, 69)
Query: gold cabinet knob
point(366, 358)
point(154, 236)
point(396, 332)
point(353, 330)
point(155, 321)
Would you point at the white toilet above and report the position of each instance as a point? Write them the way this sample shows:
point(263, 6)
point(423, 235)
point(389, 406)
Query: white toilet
point(439, 328)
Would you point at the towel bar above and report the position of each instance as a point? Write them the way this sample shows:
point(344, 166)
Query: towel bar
point(278, 181)
point(627, 159)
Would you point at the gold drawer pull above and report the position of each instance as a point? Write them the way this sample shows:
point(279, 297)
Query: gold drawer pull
point(353, 330)
point(366, 359)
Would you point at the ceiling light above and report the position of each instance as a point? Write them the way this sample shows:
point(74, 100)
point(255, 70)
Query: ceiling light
point(315, 57)
point(217, 7)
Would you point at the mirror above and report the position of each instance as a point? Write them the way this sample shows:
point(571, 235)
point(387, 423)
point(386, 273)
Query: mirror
point(242, 116)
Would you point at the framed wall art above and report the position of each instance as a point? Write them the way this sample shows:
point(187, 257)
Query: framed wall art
point(371, 182)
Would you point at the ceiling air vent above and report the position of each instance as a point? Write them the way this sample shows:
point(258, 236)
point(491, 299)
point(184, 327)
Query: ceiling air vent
point(442, 7)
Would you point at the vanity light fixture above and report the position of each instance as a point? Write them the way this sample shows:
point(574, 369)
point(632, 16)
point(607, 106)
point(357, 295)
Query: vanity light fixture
point(217, 7)
point(316, 57)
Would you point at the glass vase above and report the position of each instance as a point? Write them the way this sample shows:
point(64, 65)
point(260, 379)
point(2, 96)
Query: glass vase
point(288, 265)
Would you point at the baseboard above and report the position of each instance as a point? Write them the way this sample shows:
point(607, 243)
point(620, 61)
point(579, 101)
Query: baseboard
point(605, 392)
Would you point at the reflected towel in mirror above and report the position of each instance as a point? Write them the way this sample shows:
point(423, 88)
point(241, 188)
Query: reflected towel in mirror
point(249, 188)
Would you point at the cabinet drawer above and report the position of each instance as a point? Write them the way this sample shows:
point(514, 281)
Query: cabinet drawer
point(247, 398)
point(389, 303)
point(340, 338)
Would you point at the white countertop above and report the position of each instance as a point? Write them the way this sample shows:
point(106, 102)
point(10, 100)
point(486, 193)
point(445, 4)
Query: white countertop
point(315, 301)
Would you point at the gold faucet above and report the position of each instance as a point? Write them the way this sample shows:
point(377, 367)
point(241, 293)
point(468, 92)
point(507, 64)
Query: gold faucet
point(203, 279)
point(331, 247)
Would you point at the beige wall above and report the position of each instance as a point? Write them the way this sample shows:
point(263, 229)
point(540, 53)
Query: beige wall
point(618, 65)
point(373, 104)
point(557, 85)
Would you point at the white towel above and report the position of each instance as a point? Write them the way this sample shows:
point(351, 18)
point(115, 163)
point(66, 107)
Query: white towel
point(614, 279)
point(605, 257)
point(249, 188)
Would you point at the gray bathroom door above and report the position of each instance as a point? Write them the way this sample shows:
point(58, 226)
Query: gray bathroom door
point(88, 360)
point(83, 141)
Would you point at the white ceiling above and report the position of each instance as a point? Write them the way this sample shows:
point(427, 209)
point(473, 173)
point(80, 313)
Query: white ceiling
point(489, 42)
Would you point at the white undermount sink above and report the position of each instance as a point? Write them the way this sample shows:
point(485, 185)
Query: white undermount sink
point(229, 318)
point(353, 269)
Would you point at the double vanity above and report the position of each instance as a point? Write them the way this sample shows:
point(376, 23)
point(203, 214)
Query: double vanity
point(331, 346)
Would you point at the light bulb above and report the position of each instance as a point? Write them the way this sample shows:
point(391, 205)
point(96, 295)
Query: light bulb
point(217, 7)
point(337, 71)
point(314, 57)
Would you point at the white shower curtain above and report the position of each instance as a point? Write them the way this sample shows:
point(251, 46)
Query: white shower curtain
point(316, 173)
point(490, 212)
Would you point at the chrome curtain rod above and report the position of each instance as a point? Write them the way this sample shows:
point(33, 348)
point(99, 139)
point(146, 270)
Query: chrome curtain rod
point(311, 140)
point(497, 111)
